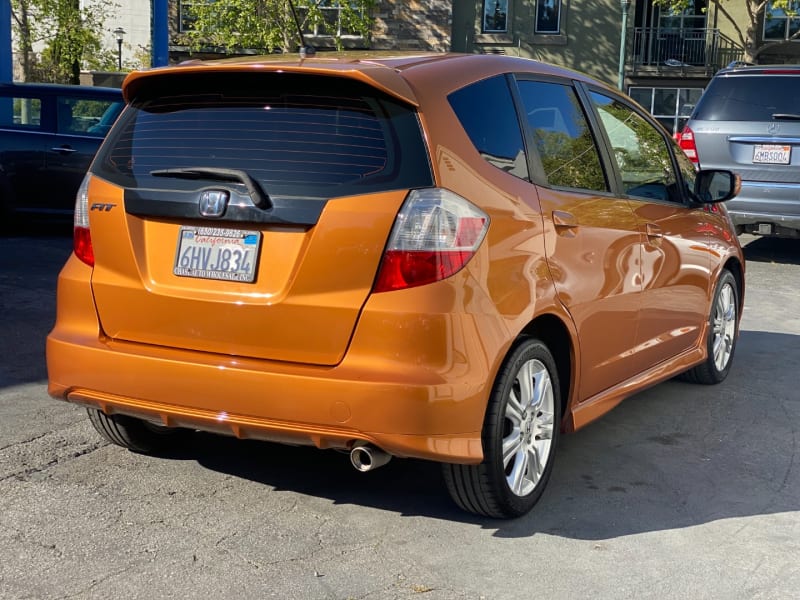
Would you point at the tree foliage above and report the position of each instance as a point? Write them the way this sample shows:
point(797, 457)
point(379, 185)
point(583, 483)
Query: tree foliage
point(272, 25)
point(69, 31)
point(747, 33)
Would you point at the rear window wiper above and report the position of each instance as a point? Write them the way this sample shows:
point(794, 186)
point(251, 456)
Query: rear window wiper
point(257, 195)
point(786, 116)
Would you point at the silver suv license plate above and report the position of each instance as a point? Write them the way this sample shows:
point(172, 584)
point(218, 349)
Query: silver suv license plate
point(217, 253)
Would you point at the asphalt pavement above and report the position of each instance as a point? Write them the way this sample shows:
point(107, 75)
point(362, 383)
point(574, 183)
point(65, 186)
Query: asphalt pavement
point(682, 491)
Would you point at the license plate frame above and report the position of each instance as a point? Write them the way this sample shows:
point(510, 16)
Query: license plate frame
point(772, 154)
point(217, 253)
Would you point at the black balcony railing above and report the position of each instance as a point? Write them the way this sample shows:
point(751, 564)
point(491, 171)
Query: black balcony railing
point(699, 49)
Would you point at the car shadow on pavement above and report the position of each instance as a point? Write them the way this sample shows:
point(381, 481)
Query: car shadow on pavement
point(677, 455)
point(771, 250)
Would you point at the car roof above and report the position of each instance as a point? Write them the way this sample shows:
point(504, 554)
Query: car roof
point(737, 68)
point(58, 88)
point(394, 73)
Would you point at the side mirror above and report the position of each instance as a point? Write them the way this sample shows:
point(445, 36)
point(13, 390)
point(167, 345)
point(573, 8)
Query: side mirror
point(716, 185)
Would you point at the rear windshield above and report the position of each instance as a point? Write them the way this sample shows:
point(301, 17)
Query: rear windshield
point(749, 98)
point(297, 135)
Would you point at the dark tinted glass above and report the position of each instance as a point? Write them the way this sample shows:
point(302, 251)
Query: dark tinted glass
point(295, 135)
point(487, 114)
point(749, 98)
point(563, 138)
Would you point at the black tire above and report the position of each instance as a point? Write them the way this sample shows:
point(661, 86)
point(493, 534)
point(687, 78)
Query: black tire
point(486, 489)
point(134, 434)
point(723, 331)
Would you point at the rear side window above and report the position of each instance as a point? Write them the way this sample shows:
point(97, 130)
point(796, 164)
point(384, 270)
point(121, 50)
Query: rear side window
point(749, 98)
point(297, 135)
point(486, 112)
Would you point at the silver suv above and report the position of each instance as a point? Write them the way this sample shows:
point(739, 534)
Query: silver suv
point(748, 121)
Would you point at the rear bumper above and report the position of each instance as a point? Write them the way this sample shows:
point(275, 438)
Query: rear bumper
point(419, 390)
point(776, 204)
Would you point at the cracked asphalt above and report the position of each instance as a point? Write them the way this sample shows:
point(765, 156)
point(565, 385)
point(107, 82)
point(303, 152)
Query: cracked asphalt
point(682, 491)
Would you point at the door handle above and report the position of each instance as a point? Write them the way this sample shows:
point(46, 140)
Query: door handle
point(565, 223)
point(653, 230)
point(63, 149)
point(564, 219)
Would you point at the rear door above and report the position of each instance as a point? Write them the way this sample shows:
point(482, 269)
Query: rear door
point(72, 148)
point(24, 139)
point(247, 214)
point(593, 243)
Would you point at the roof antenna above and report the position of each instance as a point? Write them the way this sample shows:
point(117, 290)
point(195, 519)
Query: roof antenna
point(305, 50)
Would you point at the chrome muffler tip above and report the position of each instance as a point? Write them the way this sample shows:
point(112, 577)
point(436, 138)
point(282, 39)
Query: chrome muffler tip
point(366, 457)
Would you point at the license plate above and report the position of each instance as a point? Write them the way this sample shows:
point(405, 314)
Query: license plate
point(772, 154)
point(217, 253)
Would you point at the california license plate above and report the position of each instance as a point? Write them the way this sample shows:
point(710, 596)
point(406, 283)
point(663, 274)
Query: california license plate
point(772, 154)
point(217, 253)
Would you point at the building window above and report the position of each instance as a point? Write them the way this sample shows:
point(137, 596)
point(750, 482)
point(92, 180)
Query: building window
point(780, 24)
point(331, 22)
point(548, 16)
point(670, 106)
point(185, 18)
point(495, 16)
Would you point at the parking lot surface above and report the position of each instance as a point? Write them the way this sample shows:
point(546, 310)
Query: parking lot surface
point(682, 491)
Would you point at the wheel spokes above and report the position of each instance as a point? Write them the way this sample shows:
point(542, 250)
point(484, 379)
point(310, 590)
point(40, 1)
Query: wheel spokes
point(529, 416)
point(724, 327)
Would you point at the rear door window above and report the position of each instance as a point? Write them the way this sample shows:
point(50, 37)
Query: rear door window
point(20, 112)
point(562, 136)
point(83, 116)
point(297, 135)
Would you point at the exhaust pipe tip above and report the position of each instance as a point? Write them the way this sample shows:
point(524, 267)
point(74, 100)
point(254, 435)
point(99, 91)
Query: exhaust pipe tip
point(366, 457)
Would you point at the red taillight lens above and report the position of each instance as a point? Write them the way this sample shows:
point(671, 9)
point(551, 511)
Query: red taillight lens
point(435, 234)
point(81, 238)
point(686, 142)
point(82, 245)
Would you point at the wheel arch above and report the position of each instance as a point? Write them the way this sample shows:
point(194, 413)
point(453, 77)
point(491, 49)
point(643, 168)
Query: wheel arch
point(555, 334)
point(735, 266)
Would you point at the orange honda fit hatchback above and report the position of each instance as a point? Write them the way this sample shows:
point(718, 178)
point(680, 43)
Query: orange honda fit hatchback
point(446, 257)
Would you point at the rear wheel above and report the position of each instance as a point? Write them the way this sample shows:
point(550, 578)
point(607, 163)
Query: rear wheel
point(134, 434)
point(723, 330)
point(519, 438)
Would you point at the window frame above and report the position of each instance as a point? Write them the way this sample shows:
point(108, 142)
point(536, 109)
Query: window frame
point(788, 21)
point(558, 8)
point(535, 166)
point(484, 14)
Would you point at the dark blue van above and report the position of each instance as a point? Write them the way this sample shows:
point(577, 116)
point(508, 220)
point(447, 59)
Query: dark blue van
point(48, 136)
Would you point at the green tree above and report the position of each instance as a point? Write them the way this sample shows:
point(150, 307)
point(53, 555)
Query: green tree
point(747, 33)
point(69, 30)
point(272, 25)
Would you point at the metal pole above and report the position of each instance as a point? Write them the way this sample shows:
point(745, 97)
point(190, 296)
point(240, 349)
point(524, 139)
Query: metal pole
point(119, 54)
point(623, 41)
point(6, 62)
point(160, 33)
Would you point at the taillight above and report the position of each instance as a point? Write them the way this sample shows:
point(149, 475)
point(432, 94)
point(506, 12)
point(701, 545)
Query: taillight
point(434, 236)
point(686, 142)
point(81, 238)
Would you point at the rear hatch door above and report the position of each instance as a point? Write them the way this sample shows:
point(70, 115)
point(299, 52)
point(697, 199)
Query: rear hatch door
point(751, 124)
point(256, 210)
